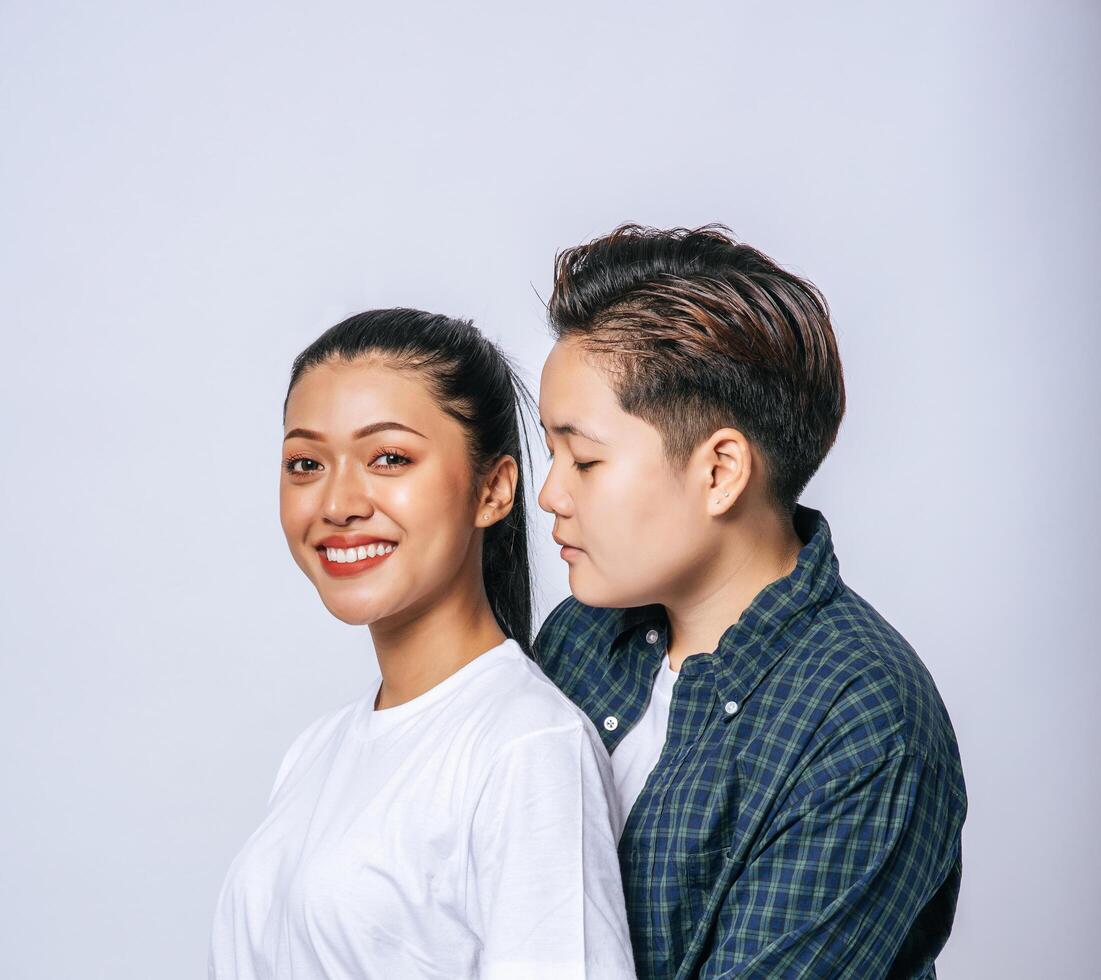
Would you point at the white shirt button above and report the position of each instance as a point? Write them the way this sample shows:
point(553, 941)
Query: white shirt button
point(652, 636)
point(611, 723)
point(731, 707)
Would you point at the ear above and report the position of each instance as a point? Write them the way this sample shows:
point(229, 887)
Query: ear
point(726, 463)
point(498, 492)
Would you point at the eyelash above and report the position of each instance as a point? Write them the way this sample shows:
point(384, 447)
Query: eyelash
point(581, 467)
point(405, 460)
point(288, 463)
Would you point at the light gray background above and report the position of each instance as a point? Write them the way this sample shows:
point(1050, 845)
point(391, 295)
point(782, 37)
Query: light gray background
point(190, 193)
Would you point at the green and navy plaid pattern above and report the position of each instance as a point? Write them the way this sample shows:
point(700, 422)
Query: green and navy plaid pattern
point(804, 817)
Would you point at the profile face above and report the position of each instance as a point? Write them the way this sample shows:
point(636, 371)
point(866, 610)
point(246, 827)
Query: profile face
point(375, 493)
point(635, 532)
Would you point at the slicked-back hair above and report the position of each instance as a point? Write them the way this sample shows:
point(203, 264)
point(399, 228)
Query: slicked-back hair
point(700, 332)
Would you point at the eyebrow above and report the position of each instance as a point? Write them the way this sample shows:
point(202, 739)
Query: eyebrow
point(367, 430)
point(569, 429)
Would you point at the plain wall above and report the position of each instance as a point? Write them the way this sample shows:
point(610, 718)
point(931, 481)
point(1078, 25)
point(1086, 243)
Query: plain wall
point(190, 193)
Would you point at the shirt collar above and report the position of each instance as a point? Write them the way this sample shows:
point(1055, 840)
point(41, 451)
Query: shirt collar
point(778, 614)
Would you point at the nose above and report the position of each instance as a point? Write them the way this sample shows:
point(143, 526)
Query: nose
point(553, 497)
point(347, 495)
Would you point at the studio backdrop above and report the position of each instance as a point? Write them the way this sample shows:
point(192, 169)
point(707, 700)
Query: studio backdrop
point(191, 192)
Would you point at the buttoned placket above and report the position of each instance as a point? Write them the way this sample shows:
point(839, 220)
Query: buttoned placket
point(730, 705)
point(612, 720)
point(695, 670)
point(675, 755)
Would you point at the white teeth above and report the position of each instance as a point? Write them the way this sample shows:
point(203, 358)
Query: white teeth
point(343, 556)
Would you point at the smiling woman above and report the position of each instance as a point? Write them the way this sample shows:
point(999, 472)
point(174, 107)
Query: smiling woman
point(457, 819)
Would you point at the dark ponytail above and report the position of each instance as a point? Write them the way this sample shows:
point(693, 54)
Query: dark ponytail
point(475, 383)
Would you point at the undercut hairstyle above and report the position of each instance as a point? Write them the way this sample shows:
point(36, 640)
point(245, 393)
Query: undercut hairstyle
point(699, 332)
point(475, 383)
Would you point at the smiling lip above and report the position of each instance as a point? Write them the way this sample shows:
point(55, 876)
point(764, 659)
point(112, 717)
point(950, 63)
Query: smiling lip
point(344, 569)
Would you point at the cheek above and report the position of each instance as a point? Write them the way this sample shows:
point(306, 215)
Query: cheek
point(640, 536)
point(428, 506)
point(295, 510)
point(624, 559)
point(628, 514)
point(401, 502)
point(296, 515)
point(434, 513)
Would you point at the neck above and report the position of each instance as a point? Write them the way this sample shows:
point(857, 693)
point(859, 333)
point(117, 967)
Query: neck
point(759, 550)
point(429, 645)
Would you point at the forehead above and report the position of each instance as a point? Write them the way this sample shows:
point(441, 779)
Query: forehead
point(573, 385)
point(339, 395)
point(576, 397)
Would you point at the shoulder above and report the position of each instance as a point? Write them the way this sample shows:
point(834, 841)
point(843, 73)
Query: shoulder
point(573, 634)
point(325, 725)
point(873, 682)
point(309, 741)
point(526, 703)
point(528, 741)
point(568, 622)
point(853, 699)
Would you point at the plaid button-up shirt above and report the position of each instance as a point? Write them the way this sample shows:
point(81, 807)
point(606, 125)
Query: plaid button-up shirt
point(804, 817)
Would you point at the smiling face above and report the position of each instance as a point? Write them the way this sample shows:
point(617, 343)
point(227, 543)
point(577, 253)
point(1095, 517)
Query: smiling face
point(372, 463)
point(635, 531)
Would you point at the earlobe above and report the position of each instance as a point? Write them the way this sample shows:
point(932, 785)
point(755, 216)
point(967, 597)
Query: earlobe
point(729, 467)
point(500, 489)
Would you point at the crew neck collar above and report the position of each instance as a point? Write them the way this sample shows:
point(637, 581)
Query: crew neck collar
point(370, 722)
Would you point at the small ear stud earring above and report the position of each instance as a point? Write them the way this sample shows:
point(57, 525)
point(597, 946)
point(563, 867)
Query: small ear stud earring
point(485, 517)
point(725, 494)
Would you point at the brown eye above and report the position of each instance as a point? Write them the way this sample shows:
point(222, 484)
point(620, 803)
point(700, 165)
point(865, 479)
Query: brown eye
point(290, 464)
point(391, 460)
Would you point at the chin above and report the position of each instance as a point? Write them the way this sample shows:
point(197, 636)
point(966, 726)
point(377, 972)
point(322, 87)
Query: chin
point(352, 614)
point(594, 593)
point(595, 590)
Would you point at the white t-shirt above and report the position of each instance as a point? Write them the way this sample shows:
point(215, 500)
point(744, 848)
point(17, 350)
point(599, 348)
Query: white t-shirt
point(637, 754)
point(467, 833)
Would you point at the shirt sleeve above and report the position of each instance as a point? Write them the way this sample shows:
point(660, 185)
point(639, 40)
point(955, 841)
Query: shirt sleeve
point(295, 752)
point(290, 757)
point(546, 893)
point(861, 858)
